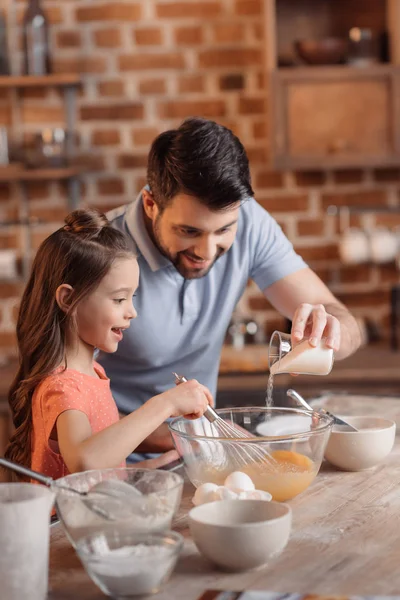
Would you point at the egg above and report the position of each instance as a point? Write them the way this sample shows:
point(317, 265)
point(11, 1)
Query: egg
point(255, 495)
point(205, 493)
point(239, 481)
point(223, 493)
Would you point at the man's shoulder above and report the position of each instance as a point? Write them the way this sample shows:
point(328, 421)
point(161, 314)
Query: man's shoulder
point(120, 219)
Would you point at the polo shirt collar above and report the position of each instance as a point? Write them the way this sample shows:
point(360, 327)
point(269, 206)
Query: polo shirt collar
point(135, 223)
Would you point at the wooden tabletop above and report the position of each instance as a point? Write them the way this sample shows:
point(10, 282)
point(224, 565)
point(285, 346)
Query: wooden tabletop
point(345, 538)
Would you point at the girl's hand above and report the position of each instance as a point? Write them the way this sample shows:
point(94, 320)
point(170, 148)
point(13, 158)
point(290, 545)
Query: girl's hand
point(189, 399)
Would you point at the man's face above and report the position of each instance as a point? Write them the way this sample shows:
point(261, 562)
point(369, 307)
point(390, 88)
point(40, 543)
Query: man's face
point(191, 235)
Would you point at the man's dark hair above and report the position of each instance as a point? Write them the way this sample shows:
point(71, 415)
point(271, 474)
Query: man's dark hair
point(201, 159)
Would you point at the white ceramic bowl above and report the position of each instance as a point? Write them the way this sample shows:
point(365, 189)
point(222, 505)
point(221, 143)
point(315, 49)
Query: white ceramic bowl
point(240, 534)
point(359, 450)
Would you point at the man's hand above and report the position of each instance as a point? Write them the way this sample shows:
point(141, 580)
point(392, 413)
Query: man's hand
point(158, 441)
point(312, 321)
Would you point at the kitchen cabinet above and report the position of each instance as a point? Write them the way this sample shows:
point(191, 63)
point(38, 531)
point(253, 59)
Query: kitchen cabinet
point(333, 116)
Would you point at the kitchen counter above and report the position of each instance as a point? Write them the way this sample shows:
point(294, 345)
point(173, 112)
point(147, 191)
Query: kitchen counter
point(344, 540)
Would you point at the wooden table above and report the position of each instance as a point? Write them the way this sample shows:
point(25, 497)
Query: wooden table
point(345, 538)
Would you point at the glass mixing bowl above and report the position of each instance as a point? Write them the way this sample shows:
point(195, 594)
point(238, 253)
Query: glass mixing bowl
point(283, 457)
point(159, 499)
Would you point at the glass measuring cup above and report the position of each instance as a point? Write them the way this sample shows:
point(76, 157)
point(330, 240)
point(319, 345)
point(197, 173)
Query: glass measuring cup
point(299, 358)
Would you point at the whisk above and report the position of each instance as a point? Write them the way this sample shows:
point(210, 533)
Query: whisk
point(243, 456)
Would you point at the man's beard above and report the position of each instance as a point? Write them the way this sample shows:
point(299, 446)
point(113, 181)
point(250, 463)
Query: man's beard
point(177, 259)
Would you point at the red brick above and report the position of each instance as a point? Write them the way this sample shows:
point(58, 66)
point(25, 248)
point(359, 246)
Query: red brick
point(110, 11)
point(49, 214)
point(112, 88)
point(360, 198)
point(5, 115)
point(363, 299)
point(191, 10)
point(112, 186)
point(141, 181)
point(258, 32)
point(328, 252)
point(252, 106)
point(107, 38)
point(285, 204)
point(356, 274)
point(34, 93)
point(8, 341)
point(228, 33)
point(11, 290)
point(182, 109)
point(248, 7)
point(144, 136)
point(262, 80)
point(106, 137)
point(257, 156)
point(191, 83)
point(348, 176)
point(230, 57)
point(260, 129)
point(132, 161)
point(269, 179)
point(138, 62)
point(389, 174)
point(5, 191)
point(37, 190)
point(68, 39)
point(8, 239)
point(310, 178)
point(54, 15)
point(82, 64)
point(150, 36)
point(189, 36)
point(112, 112)
point(311, 226)
point(387, 219)
point(389, 273)
point(152, 86)
point(233, 81)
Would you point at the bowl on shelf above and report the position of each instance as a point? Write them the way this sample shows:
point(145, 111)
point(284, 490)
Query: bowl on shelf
point(325, 51)
point(240, 535)
point(283, 458)
point(125, 563)
point(363, 449)
point(160, 496)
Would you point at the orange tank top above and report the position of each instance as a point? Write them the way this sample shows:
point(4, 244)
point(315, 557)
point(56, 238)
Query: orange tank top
point(67, 389)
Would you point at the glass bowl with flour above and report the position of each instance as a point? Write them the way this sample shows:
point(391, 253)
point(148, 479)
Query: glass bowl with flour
point(125, 563)
point(146, 500)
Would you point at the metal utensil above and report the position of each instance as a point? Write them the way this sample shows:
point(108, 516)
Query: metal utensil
point(337, 420)
point(243, 455)
point(92, 500)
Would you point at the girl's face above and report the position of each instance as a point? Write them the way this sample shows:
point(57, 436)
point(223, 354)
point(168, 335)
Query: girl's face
point(102, 317)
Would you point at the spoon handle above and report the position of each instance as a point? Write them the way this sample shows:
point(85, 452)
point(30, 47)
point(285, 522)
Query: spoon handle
point(12, 466)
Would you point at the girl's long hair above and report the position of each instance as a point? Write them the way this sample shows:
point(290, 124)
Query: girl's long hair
point(79, 254)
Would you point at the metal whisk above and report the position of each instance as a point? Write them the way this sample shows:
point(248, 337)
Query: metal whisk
point(242, 455)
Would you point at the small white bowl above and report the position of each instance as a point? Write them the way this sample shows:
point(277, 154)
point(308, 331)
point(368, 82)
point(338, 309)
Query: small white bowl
point(360, 450)
point(240, 534)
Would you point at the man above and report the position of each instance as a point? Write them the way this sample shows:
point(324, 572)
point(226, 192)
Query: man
point(199, 236)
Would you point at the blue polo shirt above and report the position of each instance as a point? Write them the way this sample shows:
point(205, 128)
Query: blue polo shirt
point(181, 324)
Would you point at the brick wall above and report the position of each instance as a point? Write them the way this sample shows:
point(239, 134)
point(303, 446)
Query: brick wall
point(145, 66)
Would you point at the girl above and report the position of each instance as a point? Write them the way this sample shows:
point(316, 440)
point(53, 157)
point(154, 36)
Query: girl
point(79, 298)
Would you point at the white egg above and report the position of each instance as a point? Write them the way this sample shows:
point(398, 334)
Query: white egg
point(204, 493)
point(223, 493)
point(255, 495)
point(239, 481)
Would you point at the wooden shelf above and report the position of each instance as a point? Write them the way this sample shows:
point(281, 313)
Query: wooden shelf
point(14, 174)
point(26, 81)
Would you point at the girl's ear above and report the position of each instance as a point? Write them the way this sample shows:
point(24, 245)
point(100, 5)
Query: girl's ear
point(64, 296)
